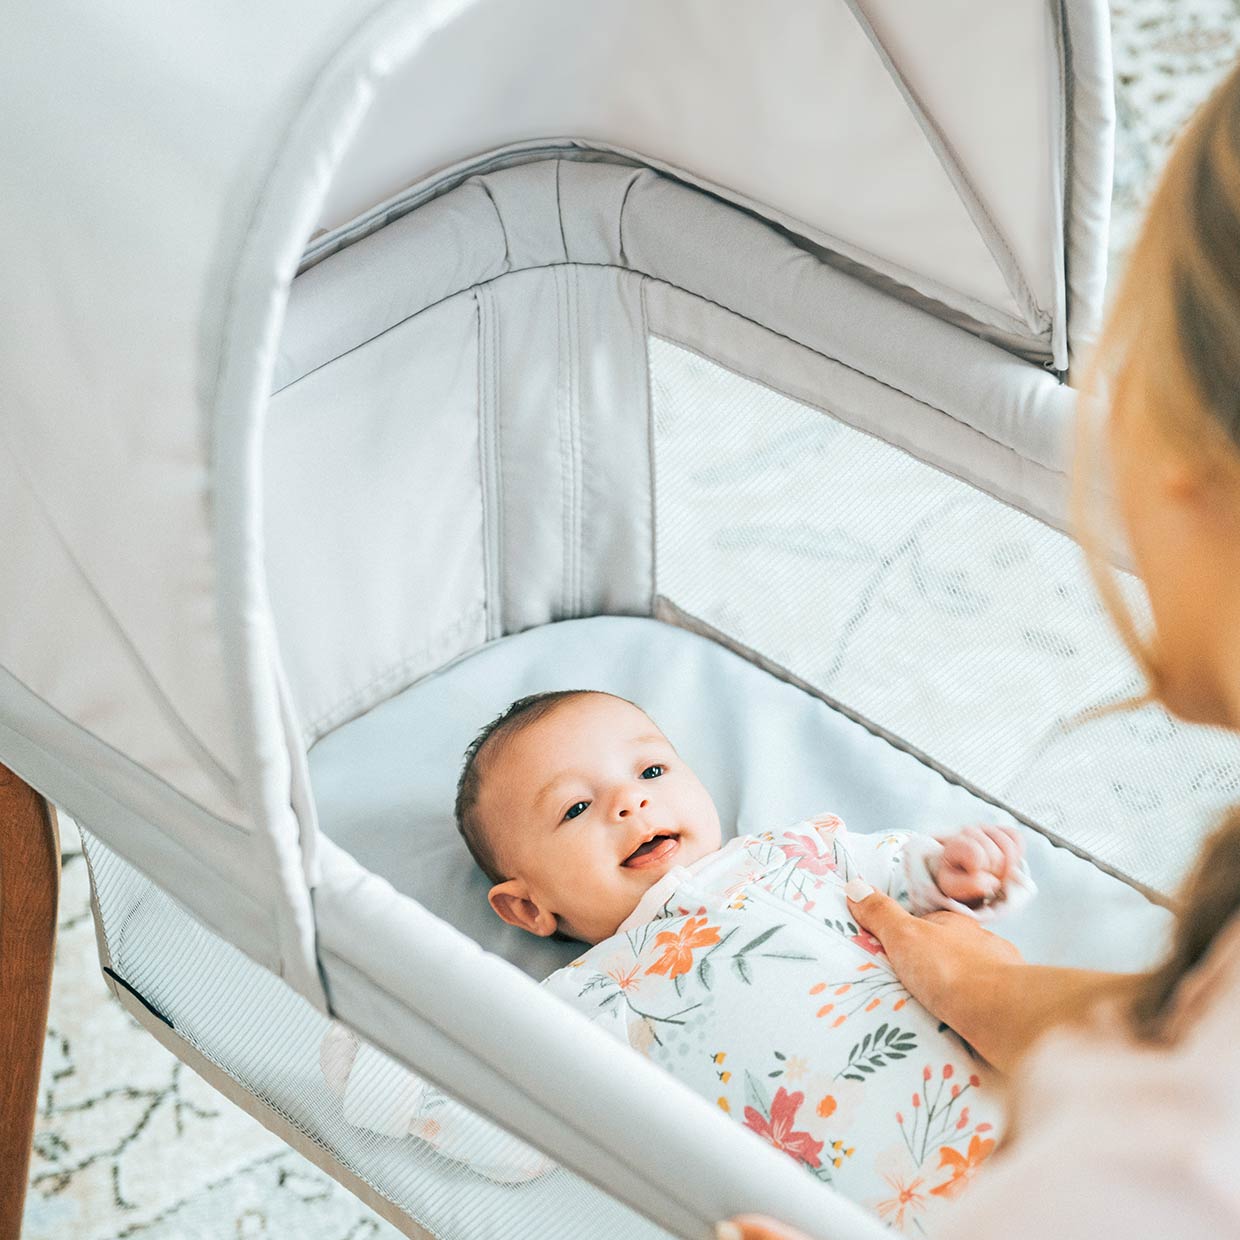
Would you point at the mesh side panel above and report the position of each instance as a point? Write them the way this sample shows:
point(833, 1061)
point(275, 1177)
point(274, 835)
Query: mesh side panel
point(267, 1038)
point(961, 626)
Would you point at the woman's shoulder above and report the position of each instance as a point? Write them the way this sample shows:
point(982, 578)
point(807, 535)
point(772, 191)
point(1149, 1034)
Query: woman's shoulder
point(1190, 1076)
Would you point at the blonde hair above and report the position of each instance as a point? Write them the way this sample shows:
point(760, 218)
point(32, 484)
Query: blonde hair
point(1172, 340)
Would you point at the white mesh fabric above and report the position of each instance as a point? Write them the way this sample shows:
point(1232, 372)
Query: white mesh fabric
point(968, 630)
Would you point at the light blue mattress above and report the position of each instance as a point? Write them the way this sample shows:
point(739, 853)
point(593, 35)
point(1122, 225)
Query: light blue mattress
point(768, 752)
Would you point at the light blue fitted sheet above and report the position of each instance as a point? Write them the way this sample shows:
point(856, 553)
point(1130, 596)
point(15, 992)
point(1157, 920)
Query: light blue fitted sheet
point(769, 753)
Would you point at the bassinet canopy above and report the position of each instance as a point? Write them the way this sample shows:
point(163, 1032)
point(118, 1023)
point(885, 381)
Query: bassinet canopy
point(562, 225)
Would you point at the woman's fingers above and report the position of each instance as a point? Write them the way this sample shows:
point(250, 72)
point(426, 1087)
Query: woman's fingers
point(756, 1227)
point(874, 911)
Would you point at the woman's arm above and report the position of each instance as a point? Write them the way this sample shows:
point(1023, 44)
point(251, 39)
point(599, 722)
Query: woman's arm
point(977, 982)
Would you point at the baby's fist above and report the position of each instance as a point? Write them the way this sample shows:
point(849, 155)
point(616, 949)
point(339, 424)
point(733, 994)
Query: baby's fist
point(975, 861)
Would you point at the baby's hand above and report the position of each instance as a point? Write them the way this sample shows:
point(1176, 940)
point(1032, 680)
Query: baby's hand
point(975, 861)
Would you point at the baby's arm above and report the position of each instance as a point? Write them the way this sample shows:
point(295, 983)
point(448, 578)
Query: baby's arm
point(977, 871)
point(382, 1096)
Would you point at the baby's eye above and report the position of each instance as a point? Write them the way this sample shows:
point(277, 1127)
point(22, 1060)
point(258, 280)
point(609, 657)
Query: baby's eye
point(653, 772)
point(579, 808)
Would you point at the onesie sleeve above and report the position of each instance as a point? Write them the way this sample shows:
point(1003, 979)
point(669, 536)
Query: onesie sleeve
point(876, 858)
point(899, 863)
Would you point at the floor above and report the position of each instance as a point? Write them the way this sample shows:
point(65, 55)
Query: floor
point(131, 1144)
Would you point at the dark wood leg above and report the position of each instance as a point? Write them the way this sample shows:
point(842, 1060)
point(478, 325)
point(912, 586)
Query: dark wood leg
point(29, 890)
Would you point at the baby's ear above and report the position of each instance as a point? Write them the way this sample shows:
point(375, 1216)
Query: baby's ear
point(511, 901)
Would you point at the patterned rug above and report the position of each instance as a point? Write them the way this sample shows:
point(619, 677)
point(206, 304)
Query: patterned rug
point(132, 1144)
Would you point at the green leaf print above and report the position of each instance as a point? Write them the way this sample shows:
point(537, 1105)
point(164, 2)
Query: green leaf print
point(759, 940)
point(875, 1050)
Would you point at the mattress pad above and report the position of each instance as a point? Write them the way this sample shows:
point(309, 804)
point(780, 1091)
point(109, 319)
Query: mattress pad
point(768, 752)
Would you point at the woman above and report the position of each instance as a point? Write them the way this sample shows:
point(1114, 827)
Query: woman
point(1126, 1114)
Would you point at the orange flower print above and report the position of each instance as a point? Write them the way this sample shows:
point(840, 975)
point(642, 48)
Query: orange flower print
point(678, 945)
point(626, 979)
point(906, 1198)
point(963, 1165)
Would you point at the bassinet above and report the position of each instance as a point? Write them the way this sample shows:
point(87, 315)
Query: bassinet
point(628, 339)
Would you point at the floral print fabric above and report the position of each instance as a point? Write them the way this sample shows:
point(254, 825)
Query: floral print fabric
point(752, 985)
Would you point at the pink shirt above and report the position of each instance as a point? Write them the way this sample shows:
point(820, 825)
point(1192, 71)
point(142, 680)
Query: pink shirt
point(1114, 1138)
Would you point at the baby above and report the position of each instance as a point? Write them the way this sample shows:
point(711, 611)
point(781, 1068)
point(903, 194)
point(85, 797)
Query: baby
point(574, 804)
point(737, 968)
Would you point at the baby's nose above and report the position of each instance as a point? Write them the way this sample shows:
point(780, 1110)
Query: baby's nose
point(629, 804)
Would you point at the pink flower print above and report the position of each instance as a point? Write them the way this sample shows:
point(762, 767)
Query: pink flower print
point(867, 942)
point(804, 851)
point(778, 1129)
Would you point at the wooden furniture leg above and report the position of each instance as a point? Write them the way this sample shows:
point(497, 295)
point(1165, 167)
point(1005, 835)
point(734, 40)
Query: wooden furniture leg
point(29, 889)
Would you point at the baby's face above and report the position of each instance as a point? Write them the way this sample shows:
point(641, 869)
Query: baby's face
point(586, 809)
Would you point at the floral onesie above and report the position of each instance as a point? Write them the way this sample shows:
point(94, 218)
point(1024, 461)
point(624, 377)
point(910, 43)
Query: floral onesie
point(744, 976)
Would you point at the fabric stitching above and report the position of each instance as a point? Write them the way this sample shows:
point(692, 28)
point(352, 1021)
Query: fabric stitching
point(650, 449)
point(574, 380)
point(497, 449)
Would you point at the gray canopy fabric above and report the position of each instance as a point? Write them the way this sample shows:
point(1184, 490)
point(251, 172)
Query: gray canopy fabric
point(166, 167)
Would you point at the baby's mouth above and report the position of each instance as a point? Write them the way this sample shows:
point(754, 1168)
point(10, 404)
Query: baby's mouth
point(651, 852)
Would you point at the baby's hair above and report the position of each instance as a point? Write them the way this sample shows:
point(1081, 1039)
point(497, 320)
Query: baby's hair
point(519, 716)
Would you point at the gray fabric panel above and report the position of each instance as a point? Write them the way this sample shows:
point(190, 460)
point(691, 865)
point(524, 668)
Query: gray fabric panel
point(57, 758)
point(616, 568)
point(1035, 316)
point(367, 462)
point(525, 312)
point(931, 434)
point(573, 508)
point(916, 290)
point(526, 201)
point(592, 197)
point(707, 248)
point(691, 240)
point(450, 244)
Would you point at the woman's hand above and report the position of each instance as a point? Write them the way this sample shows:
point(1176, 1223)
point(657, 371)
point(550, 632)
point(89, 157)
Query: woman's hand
point(937, 957)
point(975, 981)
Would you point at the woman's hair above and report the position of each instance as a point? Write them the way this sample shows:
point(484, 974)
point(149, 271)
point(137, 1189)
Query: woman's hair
point(1172, 340)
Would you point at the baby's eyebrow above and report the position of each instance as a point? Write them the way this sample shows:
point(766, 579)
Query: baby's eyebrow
point(550, 784)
